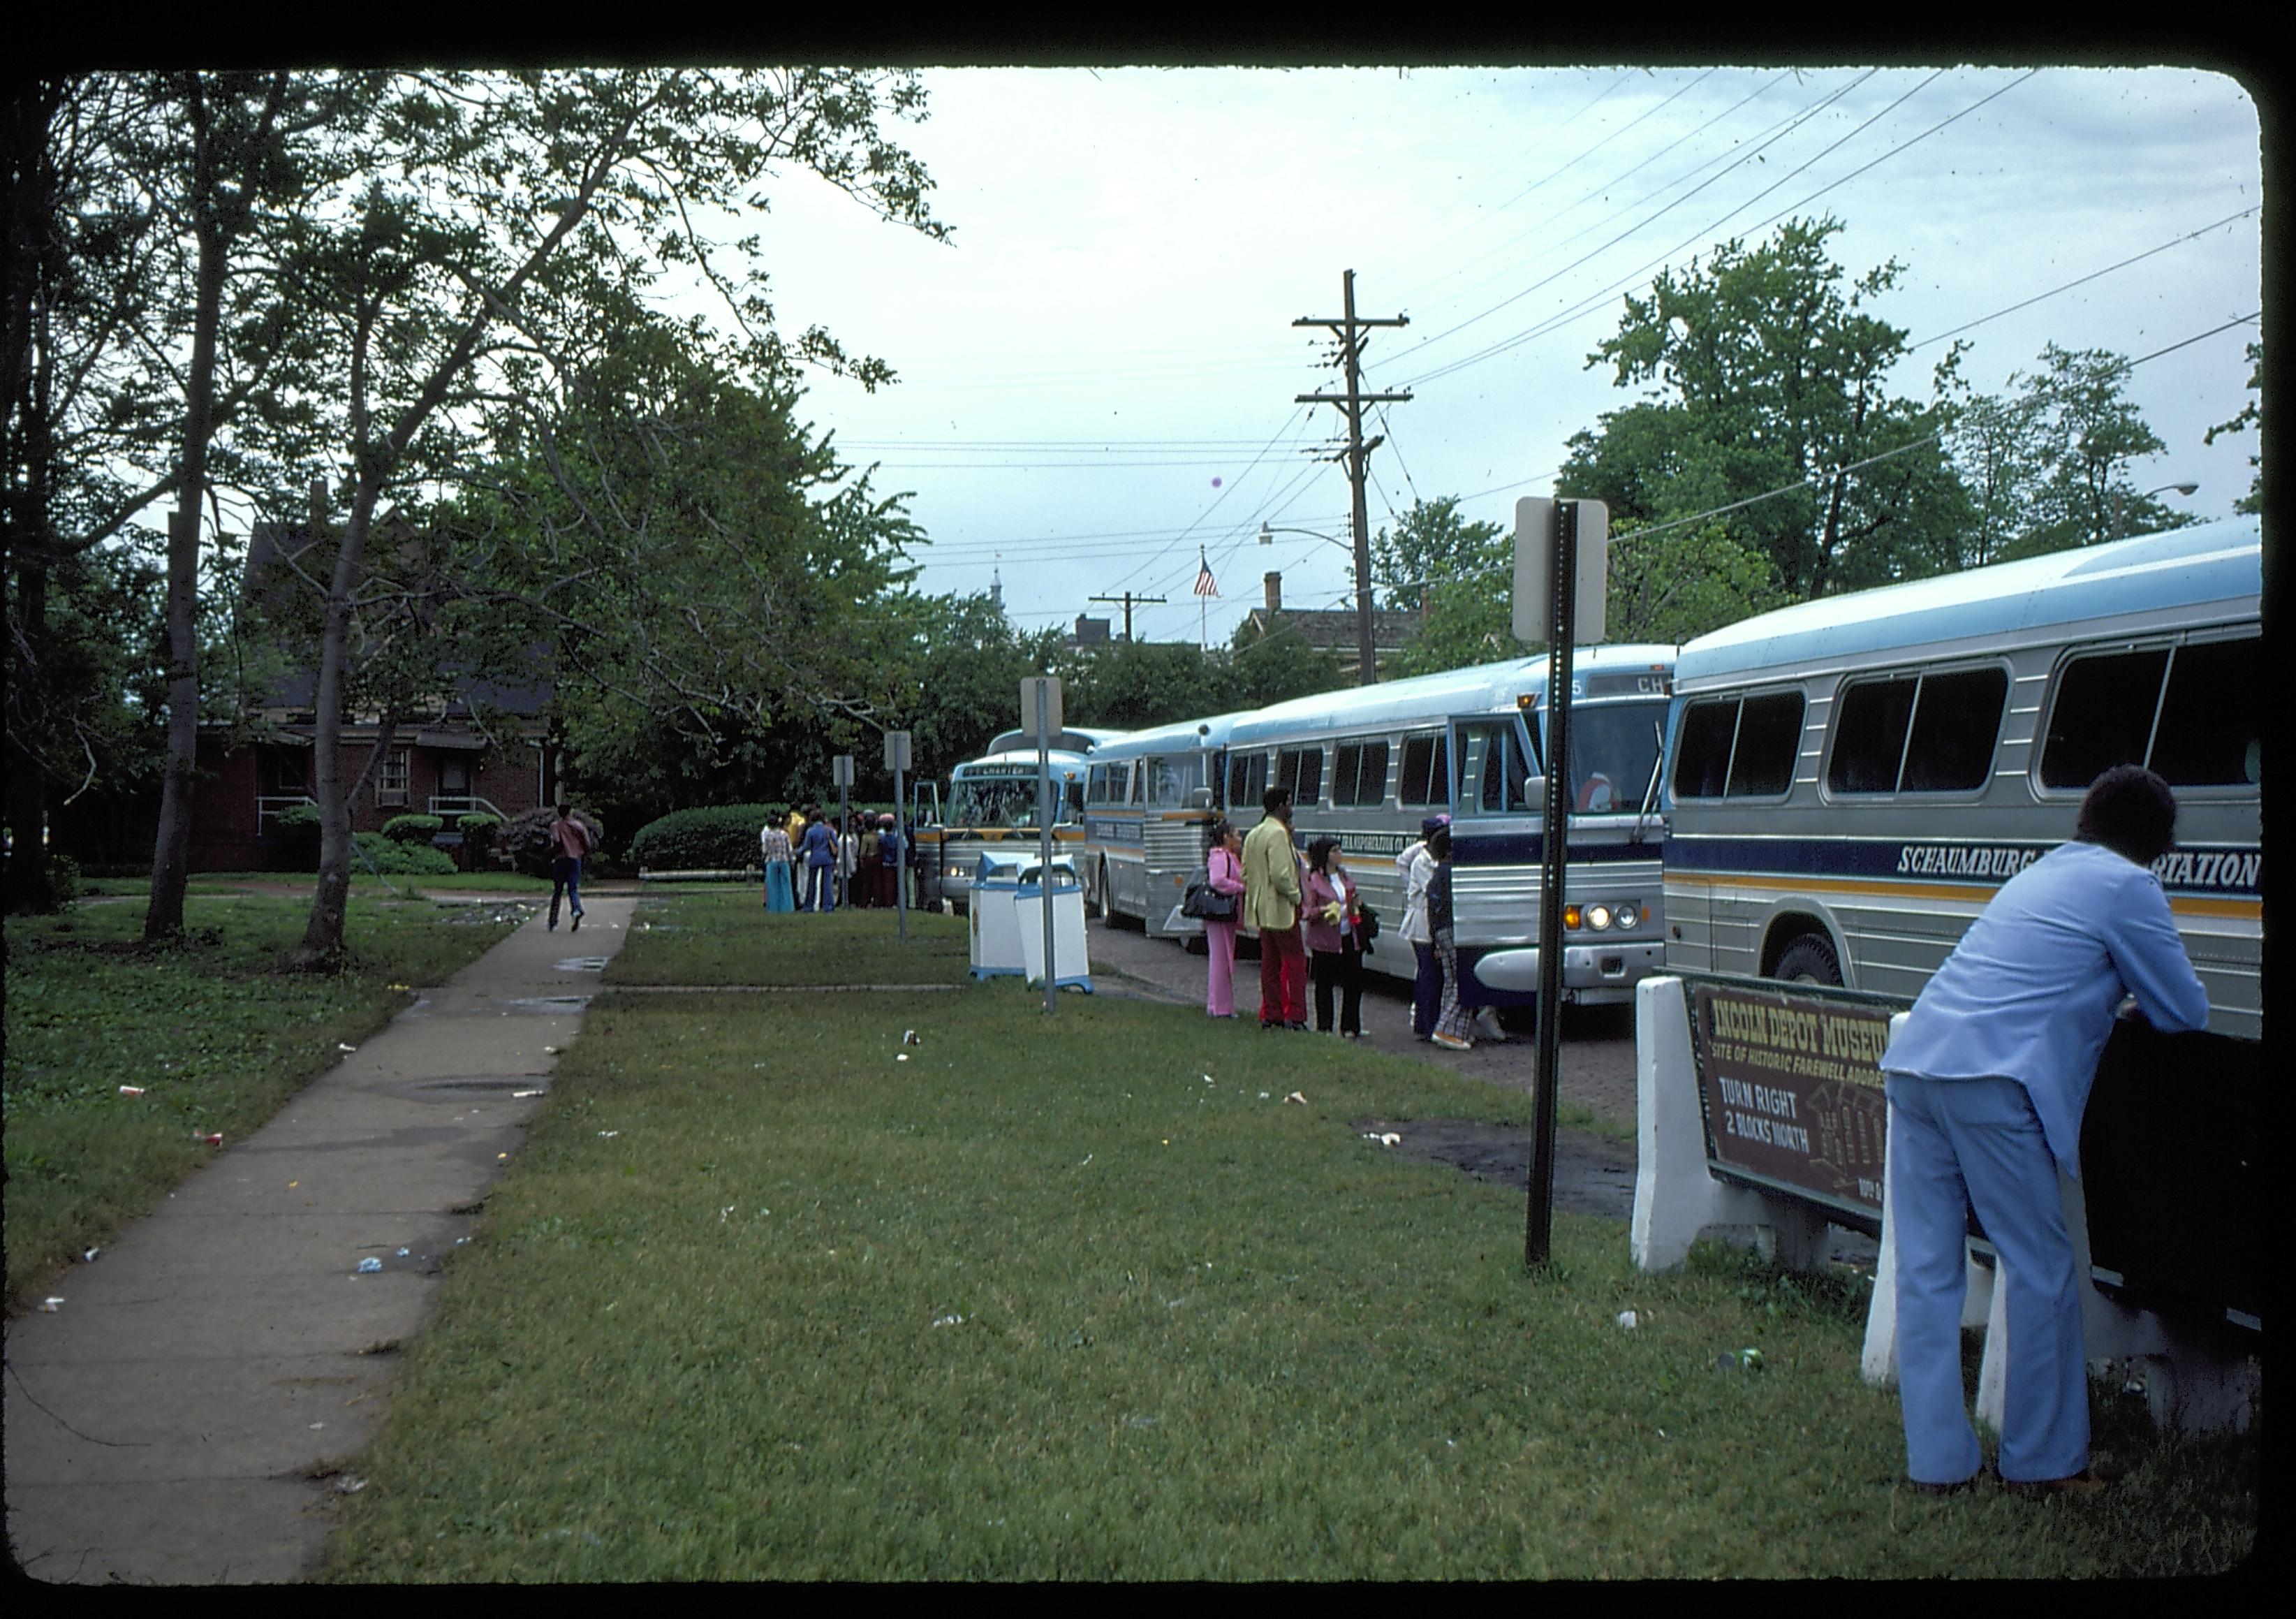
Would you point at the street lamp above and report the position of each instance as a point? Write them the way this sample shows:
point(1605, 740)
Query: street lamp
point(1368, 670)
point(2120, 504)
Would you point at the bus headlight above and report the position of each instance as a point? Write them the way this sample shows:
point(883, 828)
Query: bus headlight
point(1628, 915)
point(1598, 916)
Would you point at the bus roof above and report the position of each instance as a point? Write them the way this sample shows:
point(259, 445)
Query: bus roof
point(1428, 698)
point(1005, 763)
point(1180, 736)
point(1072, 739)
point(2191, 567)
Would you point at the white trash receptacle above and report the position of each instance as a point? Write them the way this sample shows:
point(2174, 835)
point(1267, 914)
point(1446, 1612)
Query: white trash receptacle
point(996, 927)
point(1071, 966)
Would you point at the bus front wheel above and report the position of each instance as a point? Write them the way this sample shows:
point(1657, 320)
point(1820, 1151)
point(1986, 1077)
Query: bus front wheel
point(1810, 959)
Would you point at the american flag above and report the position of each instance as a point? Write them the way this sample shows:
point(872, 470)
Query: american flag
point(1204, 586)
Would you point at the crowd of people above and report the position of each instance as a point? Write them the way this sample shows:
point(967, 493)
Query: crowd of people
point(809, 861)
point(1313, 924)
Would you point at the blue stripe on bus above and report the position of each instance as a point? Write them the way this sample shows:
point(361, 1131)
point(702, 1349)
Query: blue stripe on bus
point(2210, 869)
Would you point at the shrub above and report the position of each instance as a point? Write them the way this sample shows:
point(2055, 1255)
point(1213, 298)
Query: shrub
point(478, 827)
point(415, 829)
point(64, 878)
point(719, 838)
point(298, 819)
point(394, 859)
point(527, 842)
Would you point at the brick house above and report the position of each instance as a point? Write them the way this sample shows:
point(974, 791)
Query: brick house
point(1333, 631)
point(441, 762)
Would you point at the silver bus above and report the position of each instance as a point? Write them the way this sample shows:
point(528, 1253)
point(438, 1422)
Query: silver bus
point(1848, 781)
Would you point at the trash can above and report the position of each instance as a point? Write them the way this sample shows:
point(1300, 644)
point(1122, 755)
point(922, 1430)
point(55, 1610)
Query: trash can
point(996, 925)
point(1071, 966)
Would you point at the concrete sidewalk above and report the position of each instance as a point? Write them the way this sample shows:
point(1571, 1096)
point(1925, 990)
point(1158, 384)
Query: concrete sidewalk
point(189, 1413)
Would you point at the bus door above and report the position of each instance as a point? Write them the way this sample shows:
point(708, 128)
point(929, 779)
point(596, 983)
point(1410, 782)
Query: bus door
point(1493, 765)
point(925, 827)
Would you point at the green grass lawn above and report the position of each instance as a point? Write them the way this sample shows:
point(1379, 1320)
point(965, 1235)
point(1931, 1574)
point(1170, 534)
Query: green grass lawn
point(362, 881)
point(216, 1037)
point(1085, 1297)
point(726, 936)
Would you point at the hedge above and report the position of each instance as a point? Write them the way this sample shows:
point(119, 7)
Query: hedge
point(417, 830)
point(395, 859)
point(719, 838)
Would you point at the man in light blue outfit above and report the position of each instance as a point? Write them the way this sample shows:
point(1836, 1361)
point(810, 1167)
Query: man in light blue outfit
point(1988, 1081)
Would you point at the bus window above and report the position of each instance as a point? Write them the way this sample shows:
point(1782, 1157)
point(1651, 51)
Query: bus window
point(1955, 724)
point(2103, 716)
point(2211, 731)
point(1300, 770)
point(1613, 749)
point(1701, 761)
point(1139, 780)
point(1247, 780)
point(1097, 792)
point(1426, 772)
point(1869, 739)
point(1360, 773)
point(1072, 800)
point(1171, 780)
point(1769, 735)
point(1493, 773)
point(1346, 764)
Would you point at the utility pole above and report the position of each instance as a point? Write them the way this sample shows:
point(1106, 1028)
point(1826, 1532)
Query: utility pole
point(1128, 598)
point(1351, 353)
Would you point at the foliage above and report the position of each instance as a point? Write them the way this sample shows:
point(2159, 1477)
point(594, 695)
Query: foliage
point(1276, 665)
point(1674, 586)
point(720, 838)
point(1130, 685)
point(417, 829)
point(2049, 464)
point(298, 817)
point(398, 859)
point(1432, 548)
point(2251, 415)
point(477, 828)
point(527, 839)
point(1765, 373)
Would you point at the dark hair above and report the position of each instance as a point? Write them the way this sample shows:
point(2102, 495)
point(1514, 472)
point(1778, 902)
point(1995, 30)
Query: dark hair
point(1275, 799)
point(1438, 842)
point(563, 812)
point(1216, 834)
point(1319, 853)
point(2129, 810)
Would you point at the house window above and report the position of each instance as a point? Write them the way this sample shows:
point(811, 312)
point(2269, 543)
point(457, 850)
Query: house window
point(390, 781)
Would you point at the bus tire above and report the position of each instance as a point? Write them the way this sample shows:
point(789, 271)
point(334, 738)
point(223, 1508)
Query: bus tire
point(1107, 898)
point(1809, 958)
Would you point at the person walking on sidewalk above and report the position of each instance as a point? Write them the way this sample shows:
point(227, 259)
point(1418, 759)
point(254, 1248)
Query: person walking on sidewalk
point(1334, 930)
point(1224, 873)
point(773, 850)
point(1271, 903)
point(1453, 1029)
point(569, 841)
point(1987, 1079)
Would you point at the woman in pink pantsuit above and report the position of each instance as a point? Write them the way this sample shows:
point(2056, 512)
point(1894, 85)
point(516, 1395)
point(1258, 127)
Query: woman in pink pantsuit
point(1223, 868)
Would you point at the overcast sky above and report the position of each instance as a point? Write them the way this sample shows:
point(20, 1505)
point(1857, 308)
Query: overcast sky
point(1098, 372)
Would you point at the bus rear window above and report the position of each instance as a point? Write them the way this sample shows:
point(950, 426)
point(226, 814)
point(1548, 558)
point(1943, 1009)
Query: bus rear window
point(2210, 733)
point(2103, 716)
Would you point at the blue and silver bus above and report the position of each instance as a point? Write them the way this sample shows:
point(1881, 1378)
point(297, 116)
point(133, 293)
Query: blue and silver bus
point(1149, 799)
point(1850, 780)
point(994, 798)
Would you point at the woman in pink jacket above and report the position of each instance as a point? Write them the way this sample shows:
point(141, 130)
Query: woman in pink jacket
point(1333, 918)
point(1224, 869)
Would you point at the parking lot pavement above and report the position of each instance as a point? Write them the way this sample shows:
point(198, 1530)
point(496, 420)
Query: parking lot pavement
point(1598, 1042)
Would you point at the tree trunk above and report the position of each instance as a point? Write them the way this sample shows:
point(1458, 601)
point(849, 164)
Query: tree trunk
point(322, 949)
point(29, 888)
point(171, 851)
point(31, 207)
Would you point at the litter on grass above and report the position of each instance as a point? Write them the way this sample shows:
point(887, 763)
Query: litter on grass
point(901, 1057)
point(949, 1320)
point(369, 1265)
point(348, 1485)
point(519, 1094)
point(1628, 1319)
point(909, 1037)
point(1385, 1137)
point(1297, 1096)
point(131, 1090)
point(48, 1306)
point(1738, 1361)
point(609, 1132)
point(340, 1046)
point(91, 1256)
point(214, 1140)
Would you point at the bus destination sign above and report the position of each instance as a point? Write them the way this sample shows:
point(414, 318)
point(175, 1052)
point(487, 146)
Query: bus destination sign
point(1789, 1084)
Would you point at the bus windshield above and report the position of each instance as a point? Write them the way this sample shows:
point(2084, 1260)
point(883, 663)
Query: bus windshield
point(1614, 748)
point(1004, 800)
point(1173, 776)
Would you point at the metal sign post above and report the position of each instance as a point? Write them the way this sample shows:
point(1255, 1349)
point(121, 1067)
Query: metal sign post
point(897, 759)
point(1560, 626)
point(1040, 709)
point(840, 775)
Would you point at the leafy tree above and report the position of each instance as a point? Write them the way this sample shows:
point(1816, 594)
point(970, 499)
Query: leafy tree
point(1674, 586)
point(2251, 415)
point(1276, 665)
point(2049, 464)
point(1765, 371)
point(1431, 547)
point(1132, 684)
point(500, 216)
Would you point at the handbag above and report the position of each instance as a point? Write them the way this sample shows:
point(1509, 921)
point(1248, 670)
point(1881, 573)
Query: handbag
point(1206, 903)
point(1366, 926)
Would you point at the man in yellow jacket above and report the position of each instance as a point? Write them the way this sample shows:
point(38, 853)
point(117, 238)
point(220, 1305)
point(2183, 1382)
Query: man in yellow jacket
point(1271, 903)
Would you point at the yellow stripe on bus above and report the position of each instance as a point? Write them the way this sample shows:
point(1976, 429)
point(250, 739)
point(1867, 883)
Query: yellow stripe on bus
point(2234, 909)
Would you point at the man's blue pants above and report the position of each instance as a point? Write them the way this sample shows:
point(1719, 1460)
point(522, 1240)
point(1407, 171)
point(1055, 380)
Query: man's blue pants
point(1956, 1144)
point(1426, 990)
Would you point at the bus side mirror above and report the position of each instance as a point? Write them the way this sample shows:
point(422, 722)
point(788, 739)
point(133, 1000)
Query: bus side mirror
point(1200, 798)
